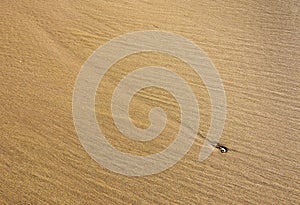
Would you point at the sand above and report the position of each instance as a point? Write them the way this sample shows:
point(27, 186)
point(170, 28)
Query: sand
point(255, 45)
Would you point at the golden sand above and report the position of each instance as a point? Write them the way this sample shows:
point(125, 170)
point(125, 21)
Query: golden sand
point(255, 45)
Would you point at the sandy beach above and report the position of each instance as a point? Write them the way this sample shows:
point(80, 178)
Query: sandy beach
point(254, 45)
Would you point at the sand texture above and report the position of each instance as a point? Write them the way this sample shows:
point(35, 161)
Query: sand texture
point(255, 46)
